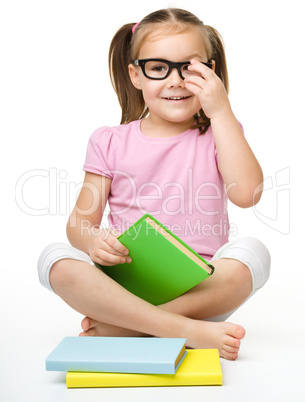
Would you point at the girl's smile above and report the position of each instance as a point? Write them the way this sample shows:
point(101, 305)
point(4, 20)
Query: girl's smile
point(168, 100)
point(177, 98)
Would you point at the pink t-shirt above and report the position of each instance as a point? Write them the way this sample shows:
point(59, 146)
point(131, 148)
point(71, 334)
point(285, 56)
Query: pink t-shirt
point(175, 179)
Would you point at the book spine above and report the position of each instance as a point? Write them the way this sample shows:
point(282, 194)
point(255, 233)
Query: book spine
point(108, 380)
point(211, 267)
point(142, 368)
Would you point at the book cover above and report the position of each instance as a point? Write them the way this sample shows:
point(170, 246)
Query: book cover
point(200, 367)
point(163, 267)
point(115, 354)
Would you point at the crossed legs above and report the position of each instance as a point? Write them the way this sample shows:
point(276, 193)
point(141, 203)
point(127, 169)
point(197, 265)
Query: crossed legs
point(242, 267)
point(113, 311)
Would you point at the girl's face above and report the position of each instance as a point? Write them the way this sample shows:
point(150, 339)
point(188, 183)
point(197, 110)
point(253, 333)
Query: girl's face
point(159, 94)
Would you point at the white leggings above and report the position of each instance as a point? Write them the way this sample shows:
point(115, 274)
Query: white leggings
point(250, 251)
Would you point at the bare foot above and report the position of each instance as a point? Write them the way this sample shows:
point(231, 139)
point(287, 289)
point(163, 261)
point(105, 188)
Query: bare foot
point(95, 328)
point(223, 336)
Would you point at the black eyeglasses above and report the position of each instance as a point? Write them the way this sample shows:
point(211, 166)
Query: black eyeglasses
point(159, 69)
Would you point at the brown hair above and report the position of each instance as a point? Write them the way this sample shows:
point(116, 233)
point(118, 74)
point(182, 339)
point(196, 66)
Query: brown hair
point(125, 47)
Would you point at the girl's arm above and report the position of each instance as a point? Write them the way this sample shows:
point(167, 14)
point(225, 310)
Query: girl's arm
point(83, 227)
point(237, 164)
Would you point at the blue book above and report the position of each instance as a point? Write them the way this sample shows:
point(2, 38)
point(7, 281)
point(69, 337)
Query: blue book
point(118, 355)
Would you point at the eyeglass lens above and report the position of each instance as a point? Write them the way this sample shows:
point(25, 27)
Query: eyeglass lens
point(159, 69)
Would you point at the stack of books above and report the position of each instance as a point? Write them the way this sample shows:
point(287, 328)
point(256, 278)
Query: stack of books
point(133, 362)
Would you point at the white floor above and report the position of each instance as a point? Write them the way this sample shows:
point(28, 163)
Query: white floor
point(270, 366)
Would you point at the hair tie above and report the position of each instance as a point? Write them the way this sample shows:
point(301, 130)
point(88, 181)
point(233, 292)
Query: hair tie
point(134, 27)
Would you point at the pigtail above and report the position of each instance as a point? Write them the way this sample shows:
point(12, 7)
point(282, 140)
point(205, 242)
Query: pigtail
point(130, 98)
point(218, 54)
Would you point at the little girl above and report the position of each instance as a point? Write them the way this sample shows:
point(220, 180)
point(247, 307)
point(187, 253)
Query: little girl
point(178, 153)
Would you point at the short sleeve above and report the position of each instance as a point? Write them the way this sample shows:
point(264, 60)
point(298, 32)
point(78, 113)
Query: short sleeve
point(100, 153)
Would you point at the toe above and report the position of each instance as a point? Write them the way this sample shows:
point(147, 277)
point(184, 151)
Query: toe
point(228, 355)
point(240, 332)
point(236, 331)
point(88, 323)
point(90, 332)
point(231, 341)
point(85, 324)
point(230, 349)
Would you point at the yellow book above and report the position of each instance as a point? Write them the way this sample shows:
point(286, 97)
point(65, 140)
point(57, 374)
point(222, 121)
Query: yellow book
point(200, 367)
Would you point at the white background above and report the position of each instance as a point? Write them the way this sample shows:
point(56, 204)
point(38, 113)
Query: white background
point(55, 91)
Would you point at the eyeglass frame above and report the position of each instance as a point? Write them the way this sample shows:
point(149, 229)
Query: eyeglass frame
point(171, 64)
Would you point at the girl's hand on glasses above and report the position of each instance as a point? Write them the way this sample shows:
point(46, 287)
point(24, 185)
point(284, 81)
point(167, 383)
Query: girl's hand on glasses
point(210, 90)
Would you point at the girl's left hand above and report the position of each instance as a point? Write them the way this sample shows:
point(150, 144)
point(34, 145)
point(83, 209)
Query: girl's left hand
point(209, 89)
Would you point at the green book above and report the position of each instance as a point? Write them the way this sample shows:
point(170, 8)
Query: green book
point(163, 267)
